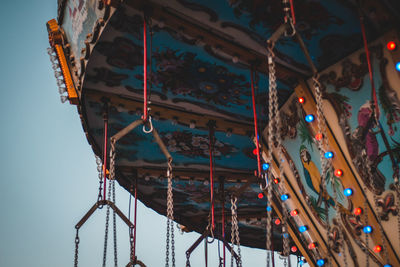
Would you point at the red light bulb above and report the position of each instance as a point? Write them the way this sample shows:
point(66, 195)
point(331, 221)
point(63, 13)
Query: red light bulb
point(260, 195)
point(391, 46)
point(338, 172)
point(276, 180)
point(318, 136)
point(358, 211)
point(277, 222)
point(377, 248)
point(311, 245)
point(293, 249)
point(255, 151)
point(301, 100)
point(294, 213)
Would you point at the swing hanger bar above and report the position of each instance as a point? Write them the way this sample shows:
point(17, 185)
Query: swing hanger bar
point(100, 204)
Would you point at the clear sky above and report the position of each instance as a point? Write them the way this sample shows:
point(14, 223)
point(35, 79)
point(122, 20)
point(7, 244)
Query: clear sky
point(48, 171)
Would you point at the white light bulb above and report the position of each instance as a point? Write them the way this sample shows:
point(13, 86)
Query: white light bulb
point(63, 98)
point(62, 90)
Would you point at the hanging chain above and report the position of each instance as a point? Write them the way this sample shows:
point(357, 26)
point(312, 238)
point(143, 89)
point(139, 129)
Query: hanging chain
point(269, 222)
point(377, 217)
point(100, 171)
point(112, 180)
point(187, 259)
point(170, 218)
point(131, 240)
point(107, 220)
point(235, 232)
point(274, 114)
point(76, 248)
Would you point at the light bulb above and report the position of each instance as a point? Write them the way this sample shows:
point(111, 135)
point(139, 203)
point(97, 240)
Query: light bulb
point(62, 90)
point(63, 98)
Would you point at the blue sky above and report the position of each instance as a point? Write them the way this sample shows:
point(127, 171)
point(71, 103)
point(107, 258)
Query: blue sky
point(49, 178)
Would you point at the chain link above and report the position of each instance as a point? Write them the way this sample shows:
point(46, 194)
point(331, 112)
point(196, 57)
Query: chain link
point(269, 223)
point(112, 180)
point(235, 232)
point(107, 220)
point(275, 115)
point(76, 248)
point(170, 218)
point(131, 240)
point(100, 171)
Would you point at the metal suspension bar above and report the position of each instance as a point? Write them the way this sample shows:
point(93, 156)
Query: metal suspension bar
point(255, 123)
point(306, 53)
point(102, 203)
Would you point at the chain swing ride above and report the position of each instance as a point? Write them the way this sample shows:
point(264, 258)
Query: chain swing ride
point(277, 121)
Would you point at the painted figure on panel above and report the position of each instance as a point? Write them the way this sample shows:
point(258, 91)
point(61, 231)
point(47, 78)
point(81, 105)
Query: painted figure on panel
point(313, 176)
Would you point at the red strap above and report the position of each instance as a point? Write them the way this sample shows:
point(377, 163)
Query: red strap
point(134, 223)
point(255, 125)
point(105, 155)
point(371, 78)
point(211, 148)
point(292, 10)
point(145, 115)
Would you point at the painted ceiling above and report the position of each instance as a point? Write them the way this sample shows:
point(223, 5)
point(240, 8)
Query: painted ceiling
point(191, 80)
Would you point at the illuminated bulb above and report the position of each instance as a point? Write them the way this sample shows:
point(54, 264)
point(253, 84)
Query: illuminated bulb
point(311, 245)
point(309, 118)
point(265, 166)
point(269, 208)
point(62, 90)
point(255, 151)
point(391, 46)
point(377, 248)
point(285, 235)
point(348, 192)
point(398, 66)
point(63, 98)
point(338, 172)
point(320, 262)
point(260, 195)
point(301, 100)
point(276, 180)
point(328, 154)
point(357, 211)
point(294, 213)
point(293, 249)
point(387, 265)
point(277, 222)
point(367, 229)
point(318, 136)
point(301, 262)
point(284, 197)
point(302, 229)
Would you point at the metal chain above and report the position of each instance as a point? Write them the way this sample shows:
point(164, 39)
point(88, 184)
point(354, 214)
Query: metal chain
point(76, 248)
point(274, 107)
point(322, 145)
point(100, 171)
point(106, 229)
point(187, 259)
point(235, 232)
point(170, 217)
point(376, 201)
point(131, 239)
point(112, 182)
point(269, 222)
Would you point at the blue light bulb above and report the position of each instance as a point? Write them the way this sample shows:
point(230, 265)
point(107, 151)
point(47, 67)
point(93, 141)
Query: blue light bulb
point(367, 229)
point(328, 154)
point(284, 197)
point(348, 192)
point(269, 208)
point(320, 262)
point(302, 229)
point(387, 265)
point(309, 118)
point(285, 235)
point(301, 262)
point(265, 166)
point(398, 66)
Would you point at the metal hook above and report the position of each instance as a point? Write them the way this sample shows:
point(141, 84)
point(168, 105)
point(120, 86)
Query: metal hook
point(151, 126)
point(266, 183)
